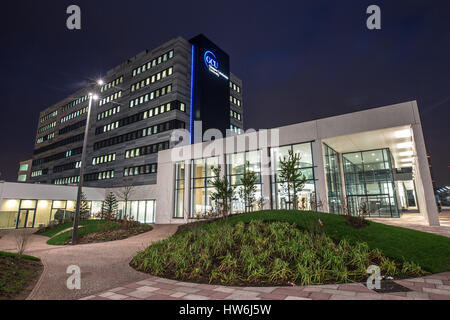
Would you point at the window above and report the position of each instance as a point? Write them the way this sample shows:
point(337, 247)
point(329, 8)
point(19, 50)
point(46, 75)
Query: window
point(68, 180)
point(74, 103)
point(283, 198)
point(74, 114)
point(46, 127)
point(153, 63)
point(236, 165)
point(104, 159)
point(140, 116)
point(235, 101)
point(140, 170)
point(108, 113)
point(369, 181)
point(49, 116)
point(22, 178)
point(333, 176)
point(104, 175)
point(152, 79)
point(150, 149)
point(60, 143)
point(179, 190)
point(201, 188)
point(112, 84)
point(165, 126)
point(110, 98)
point(235, 87)
point(23, 167)
point(150, 96)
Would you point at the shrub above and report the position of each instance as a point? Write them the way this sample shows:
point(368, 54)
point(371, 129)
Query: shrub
point(262, 253)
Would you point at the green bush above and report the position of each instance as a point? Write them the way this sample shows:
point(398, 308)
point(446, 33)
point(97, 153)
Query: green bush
point(263, 253)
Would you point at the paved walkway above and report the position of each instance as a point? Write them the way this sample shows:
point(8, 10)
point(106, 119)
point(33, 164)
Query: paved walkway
point(435, 287)
point(103, 265)
point(417, 222)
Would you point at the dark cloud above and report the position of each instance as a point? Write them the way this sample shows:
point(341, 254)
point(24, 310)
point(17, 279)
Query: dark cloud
point(299, 60)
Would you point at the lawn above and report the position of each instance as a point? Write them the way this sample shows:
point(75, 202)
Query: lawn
point(275, 247)
point(430, 251)
point(18, 275)
point(92, 231)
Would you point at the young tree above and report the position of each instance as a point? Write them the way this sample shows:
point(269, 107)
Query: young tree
point(125, 194)
point(223, 193)
point(248, 188)
point(109, 206)
point(292, 177)
point(84, 207)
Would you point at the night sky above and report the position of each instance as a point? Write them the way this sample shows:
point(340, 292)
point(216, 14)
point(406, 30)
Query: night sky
point(299, 60)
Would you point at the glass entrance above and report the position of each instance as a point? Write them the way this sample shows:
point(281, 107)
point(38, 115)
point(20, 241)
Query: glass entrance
point(25, 219)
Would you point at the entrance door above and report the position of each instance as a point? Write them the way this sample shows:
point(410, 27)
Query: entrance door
point(26, 219)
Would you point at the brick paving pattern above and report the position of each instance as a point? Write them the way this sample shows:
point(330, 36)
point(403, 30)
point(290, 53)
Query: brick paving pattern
point(434, 287)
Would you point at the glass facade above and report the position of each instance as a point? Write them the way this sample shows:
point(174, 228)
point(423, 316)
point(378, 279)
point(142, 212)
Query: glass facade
point(369, 180)
point(236, 165)
point(179, 190)
point(201, 187)
point(19, 214)
point(333, 177)
point(306, 197)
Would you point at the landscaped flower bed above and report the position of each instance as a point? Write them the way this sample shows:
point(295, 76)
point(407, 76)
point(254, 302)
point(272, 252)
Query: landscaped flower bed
point(263, 253)
point(93, 231)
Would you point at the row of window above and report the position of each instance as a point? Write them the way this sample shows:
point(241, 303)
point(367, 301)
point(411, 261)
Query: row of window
point(74, 115)
point(235, 100)
point(112, 84)
point(67, 180)
point(139, 170)
point(49, 137)
point(153, 63)
point(108, 113)
point(47, 127)
point(235, 87)
point(74, 103)
point(104, 159)
point(150, 149)
point(57, 156)
point(38, 173)
point(236, 129)
point(152, 79)
point(165, 126)
point(72, 127)
point(67, 166)
point(60, 143)
point(99, 175)
point(174, 105)
point(49, 116)
point(151, 95)
point(110, 98)
point(235, 115)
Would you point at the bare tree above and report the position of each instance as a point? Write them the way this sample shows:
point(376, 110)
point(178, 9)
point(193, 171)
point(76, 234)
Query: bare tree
point(125, 193)
point(22, 238)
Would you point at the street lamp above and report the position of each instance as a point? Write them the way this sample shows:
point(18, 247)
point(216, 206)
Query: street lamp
point(76, 219)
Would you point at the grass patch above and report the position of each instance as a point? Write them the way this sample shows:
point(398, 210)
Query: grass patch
point(430, 251)
point(276, 247)
point(95, 231)
point(18, 275)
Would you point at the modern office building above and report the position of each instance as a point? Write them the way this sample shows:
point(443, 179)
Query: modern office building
point(141, 102)
point(24, 173)
point(375, 157)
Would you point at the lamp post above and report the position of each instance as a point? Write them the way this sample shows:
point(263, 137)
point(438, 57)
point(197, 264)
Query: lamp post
point(83, 161)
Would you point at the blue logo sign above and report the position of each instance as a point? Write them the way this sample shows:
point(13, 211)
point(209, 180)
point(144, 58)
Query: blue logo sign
point(210, 60)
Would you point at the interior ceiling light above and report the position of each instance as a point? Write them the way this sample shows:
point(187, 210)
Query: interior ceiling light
point(406, 154)
point(404, 145)
point(403, 134)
